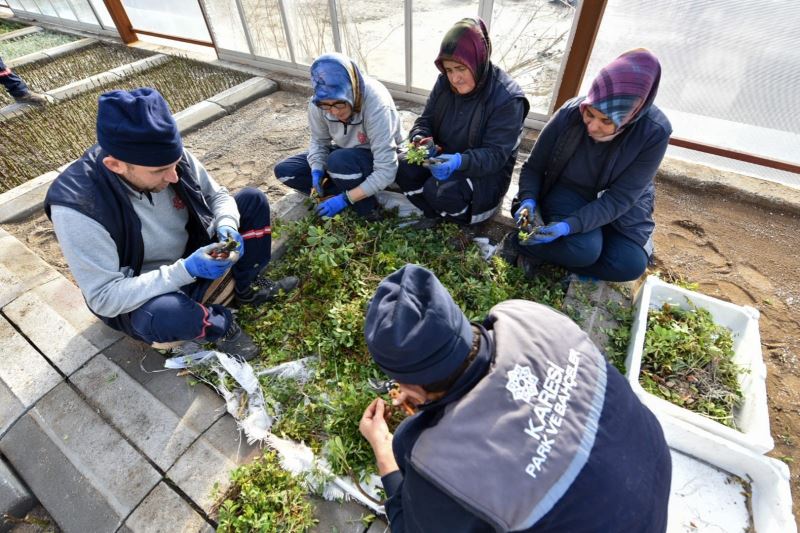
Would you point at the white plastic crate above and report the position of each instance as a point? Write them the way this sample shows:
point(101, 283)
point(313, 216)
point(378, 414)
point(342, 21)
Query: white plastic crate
point(752, 417)
point(703, 497)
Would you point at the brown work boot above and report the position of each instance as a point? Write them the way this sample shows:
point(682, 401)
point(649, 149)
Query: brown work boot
point(32, 98)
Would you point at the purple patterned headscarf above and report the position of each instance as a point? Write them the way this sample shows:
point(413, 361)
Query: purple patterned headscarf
point(625, 88)
point(468, 43)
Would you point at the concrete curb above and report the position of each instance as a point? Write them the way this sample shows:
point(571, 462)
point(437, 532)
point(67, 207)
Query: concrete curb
point(22, 32)
point(50, 53)
point(26, 199)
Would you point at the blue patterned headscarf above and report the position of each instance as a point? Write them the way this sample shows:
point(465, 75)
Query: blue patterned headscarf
point(336, 77)
point(625, 88)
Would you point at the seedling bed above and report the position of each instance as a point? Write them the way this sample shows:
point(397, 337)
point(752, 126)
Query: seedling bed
point(34, 42)
point(7, 26)
point(43, 139)
point(51, 74)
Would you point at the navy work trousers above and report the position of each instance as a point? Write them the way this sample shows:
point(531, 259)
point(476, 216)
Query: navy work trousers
point(177, 316)
point(13, 83)
point(346, 167)
point(450, 199)
point(603, 253)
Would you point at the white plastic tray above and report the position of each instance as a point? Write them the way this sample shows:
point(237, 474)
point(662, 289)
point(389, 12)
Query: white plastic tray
point(752, 417)
point(704, 499)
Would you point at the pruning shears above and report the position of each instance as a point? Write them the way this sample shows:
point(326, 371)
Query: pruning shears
point(524, 219)
point(383, 386)
point(314, 195)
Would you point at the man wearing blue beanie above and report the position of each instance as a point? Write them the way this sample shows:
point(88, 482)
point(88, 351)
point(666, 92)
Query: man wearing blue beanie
point(521, 425)
point(136, 217)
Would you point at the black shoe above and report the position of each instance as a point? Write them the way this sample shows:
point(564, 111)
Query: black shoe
point(508, 250)
point(426, 223)
point(31, 98)
point(529, 265)
point(265, 290)
point(237, 342)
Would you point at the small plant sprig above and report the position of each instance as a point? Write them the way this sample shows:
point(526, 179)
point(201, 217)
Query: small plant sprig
point(416, 155)
point(687, 360)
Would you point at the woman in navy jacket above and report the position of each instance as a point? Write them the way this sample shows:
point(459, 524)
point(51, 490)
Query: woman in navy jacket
point(591, 173)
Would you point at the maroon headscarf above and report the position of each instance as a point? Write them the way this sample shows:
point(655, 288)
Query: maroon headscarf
point(468, 43)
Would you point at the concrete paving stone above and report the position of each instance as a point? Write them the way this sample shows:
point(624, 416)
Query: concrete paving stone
point(163, 511)
point(197, 406)
point(339, 516)
point(54, 317)
point(198, 115)
point(10, 408)
point(15, 498)
point(203, 472)
point(20, 269)
point(86, 475)
point(380, 525)
point(26, 199)
point(245, 92)
point(138, 415)
point(23, 370)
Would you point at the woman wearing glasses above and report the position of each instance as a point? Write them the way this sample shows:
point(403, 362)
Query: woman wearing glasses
point(474, 117)
point(355, 132)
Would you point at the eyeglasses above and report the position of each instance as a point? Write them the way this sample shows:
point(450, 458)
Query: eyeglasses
point(337, 106)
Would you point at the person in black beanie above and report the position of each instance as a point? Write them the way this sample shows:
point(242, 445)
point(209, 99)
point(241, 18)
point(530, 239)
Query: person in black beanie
point(521, 425)
point(137, 216)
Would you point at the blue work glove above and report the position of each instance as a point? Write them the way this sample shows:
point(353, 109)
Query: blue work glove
point(530, 205)
point(316, 179)
point(333, 206)
point(227, 232)
point(201, 265)
point(549, 233)
point(444, 165)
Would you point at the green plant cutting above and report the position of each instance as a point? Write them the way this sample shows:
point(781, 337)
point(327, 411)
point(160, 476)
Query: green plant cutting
point(416, 155)
point(688, 360)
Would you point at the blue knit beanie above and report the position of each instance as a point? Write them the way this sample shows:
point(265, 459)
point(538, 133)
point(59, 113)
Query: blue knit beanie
point(414, 330)
point(137, 127)
point(335, 77)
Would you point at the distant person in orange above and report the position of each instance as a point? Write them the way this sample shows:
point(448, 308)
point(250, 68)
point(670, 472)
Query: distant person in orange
point(17, 88)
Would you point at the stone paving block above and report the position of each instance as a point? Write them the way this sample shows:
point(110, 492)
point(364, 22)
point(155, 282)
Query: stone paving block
point(20, 269)
point(208, 462)
point(138, 415)
point(26, 199)
point(163, 511)
point(197, 406)
point(245, 92)
point(198, 115)
point(339, 516)
point(84, 473)
point(55, 318)
point(26, 374)
point(10, 408)
point(15, 498)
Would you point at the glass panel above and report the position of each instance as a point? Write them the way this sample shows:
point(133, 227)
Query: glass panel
point(15, 4)
point(375, 39)
point(102, 12)
point(431, 20)
point(63, 9)
point(47, 8)
point(310, 27)
point(84, 12)
point(528, 42)
point(729, 69)
point(266, 28)
point(181, 18)
point(30, 6)
point(226, 25)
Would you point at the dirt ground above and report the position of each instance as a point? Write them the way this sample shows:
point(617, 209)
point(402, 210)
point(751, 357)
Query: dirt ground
point(736, 251)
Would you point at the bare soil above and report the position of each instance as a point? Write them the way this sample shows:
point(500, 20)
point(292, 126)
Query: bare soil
point(736, 251)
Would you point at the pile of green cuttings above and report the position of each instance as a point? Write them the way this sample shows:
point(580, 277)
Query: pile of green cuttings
point(688, 360)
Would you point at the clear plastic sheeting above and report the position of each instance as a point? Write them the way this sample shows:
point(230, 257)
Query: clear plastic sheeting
point(310, 28)
point(730, 71)
point(266, 27)
point(226, 25)
point(102, 13)
point(180, 18)
point(375, 39)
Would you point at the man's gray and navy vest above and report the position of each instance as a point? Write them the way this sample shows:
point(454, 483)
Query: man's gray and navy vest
point(526, 429)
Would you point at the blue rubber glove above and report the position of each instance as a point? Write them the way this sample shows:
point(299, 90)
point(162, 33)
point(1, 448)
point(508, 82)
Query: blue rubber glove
point(530, 205)
point(201, 265)
point(550, 232)
point(316, 179)
point(227, 232)
point(332, 207)
point(444, 165)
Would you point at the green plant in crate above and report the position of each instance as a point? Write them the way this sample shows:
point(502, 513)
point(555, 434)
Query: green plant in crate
point(688, 360)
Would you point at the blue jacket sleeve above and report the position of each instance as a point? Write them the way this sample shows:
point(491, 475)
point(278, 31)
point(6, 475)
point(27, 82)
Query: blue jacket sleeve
point(532, 174)
point(625, 190)
point(499, 140)
point(393, 485)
